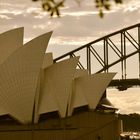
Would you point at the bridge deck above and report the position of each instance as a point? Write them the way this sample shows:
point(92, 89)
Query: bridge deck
point(123, 84)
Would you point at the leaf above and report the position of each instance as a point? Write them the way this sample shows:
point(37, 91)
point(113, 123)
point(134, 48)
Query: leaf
point(53, 6)
point(52, 13)
point(61, 4)
point(57, 12)
point(118, 1)
point(107, 6)
point(101, 14)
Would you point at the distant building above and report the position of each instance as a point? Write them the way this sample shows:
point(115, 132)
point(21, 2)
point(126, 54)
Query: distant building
point(40, 99)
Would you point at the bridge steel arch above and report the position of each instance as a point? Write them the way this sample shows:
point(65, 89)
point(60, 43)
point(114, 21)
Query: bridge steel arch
point(116, 43)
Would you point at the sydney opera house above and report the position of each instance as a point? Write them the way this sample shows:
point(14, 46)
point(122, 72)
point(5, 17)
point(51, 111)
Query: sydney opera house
point(43, 100)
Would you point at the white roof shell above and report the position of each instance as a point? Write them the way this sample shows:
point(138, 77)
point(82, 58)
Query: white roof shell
point(19, 77)
point(48, 60)
point(31, 84)
point(57, 86)
point(9, 42)
point(88, 90)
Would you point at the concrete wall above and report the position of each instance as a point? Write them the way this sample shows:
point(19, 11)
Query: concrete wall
point(82, 126)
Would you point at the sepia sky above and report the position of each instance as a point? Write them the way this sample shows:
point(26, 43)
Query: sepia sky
point(77, 26)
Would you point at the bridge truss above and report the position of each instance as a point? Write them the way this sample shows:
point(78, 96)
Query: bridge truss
point(112, 51)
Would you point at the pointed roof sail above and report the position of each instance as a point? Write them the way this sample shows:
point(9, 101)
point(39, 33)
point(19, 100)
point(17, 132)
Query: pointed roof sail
point(36, 100)
point(98, 84)
point(48, 60)
point(80, 73)
point(9, 42)
point(19, 77)
point(31, 84)
point(76, 92)
point(57, 86)
point(89, 89)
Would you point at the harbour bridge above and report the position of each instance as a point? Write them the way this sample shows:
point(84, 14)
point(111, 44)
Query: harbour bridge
point(116, 52)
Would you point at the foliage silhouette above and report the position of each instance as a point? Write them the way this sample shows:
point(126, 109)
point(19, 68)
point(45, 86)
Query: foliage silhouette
point(53, 6)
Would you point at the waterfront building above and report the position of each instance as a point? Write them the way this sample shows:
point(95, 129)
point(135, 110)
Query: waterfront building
point(40, 99)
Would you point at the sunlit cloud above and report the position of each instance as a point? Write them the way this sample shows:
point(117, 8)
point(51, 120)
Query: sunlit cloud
point(79, 12)
point(20, 9)
point(5, 17)
point(131, 6)
point(127, 101)
point(32, 10)
point(37, 12)
point(82, 13)
point(39, 26)
point(11, 5)
point(40, 15)
point(47, 25)
point(78, 41)
point(14, 12)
